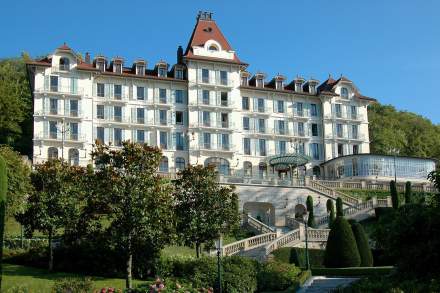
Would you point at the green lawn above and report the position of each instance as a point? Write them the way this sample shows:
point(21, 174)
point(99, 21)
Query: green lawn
point(40, 280)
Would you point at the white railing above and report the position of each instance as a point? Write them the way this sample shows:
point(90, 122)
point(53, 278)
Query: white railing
point(333, 193)
point(294, 235)
point(317, 235)
point(257, 225)
point(248, 243)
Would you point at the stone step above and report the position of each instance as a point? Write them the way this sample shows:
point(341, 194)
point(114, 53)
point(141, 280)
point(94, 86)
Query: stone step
point(327, 284)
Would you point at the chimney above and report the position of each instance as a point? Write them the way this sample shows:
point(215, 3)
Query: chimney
point(180, 55)
point(87, 58)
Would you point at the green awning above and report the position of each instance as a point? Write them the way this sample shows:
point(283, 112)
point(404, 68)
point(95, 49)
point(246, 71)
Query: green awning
point(286, 161)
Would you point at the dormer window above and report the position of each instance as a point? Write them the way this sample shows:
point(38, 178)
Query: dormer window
point(279, 84)
point(100, 64)
point(344, 92)
point(312, 89)
point(298, 87)
point(244, 81)
point(260, 82)
point(140, 69)
point(213, 48)
point(118, 68)
point(162, 72)
point(64, 64)
point(179, 73)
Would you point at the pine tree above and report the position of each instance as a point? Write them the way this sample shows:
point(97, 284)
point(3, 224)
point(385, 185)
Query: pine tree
point(408, 192)
point(362, 244)
point(394, 195)
point(3, 190)
point(339, 207)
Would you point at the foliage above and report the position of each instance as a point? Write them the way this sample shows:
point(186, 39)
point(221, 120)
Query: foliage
point(297, 256)
point(339, 207)
point(204, 209)
point(362, 245)
point(354, 271)
point(341, 250)
point(15, 106)
point(19, 184)
point(311, 219)
point(331, 210)
point(408, 192)
point(77, 285)
point(3, 191)
point(239, 274)
point(393, 284)
point(434, 177)
point(137, 199)
point(394, 195)
point(276, 276)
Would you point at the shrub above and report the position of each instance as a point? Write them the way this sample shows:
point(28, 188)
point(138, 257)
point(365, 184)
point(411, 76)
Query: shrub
point(311, 220)
point(70, 285)
point(362, 245)
point(408, 192)
point(3, 190)
point(339, 207)
point(276, 276)
point(394, 196)
point(341, 250)
point(297, 256)
point(240, 274)
point(331, 211)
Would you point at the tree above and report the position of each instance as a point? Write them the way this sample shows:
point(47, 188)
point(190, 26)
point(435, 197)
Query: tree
point(362, 245)
point(408, 192)
point(311, 220)
point(19, 183)
point(339, 207)
point(204, 209)
point(394, 195)
point(341, 249)
point(52, 200)
point(331, 212)
point(3, 191)
point(139, 201)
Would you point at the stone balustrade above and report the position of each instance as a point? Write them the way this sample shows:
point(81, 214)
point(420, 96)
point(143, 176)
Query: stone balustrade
point(317, 235)
point(288, 238)
point(257, 225)
point(248, 243)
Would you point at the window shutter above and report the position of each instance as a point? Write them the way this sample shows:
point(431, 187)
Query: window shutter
point(46, 82)
point(133, 114)
point(67, 107)
point(173, 96)
point(277, 147)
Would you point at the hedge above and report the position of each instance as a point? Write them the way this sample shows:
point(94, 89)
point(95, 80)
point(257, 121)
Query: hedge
point(297, 256)
point(353, 271)
point(362, 245)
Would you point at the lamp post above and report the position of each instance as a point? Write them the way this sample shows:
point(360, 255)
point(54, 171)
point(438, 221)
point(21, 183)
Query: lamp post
point(395, 152)
point(305, 218)
point(63, 131)
point(218, 245)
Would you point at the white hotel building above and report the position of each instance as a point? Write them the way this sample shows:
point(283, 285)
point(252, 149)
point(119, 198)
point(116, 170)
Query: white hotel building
point(204, 109)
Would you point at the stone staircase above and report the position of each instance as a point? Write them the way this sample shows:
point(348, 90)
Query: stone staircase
point(321, 284)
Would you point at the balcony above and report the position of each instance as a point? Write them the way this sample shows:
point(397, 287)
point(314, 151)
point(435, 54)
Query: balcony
point(224, 125)
point(64, 90)
point(216, 147)
point(345, 116)
point(55, 112)
point(216, 81)
point(60, 68)
point(57, 136)
point(345, 136)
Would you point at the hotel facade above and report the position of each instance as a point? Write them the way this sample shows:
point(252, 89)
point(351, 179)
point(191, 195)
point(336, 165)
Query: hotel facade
point(204, 109)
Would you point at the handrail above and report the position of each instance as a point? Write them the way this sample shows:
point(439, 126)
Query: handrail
point(248, 243)
point(258, 225)
point(333, 193)
point(289, 237)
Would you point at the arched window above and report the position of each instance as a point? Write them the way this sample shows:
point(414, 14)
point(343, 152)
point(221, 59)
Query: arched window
point(163, 166)
point(262, 170)
point(247, 169)
point(221, 165)
point(344, 92)
point(73, 157)
point(64, 63)
point(213, 48)
point(316, 171)
point(180, 164)
point(52, 153)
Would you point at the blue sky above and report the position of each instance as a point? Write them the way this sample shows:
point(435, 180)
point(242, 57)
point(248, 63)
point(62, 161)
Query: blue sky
point(390, 49)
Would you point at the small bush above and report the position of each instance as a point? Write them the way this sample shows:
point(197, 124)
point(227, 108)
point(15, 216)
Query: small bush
point(276, 276)
point(339, 207)
point(297, 256)
point(73, 285)
point(240, 274)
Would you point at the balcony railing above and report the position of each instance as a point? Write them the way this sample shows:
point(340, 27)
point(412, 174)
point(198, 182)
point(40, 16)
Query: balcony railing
point(68, 137)
point(214, 124)
point(217, 81)
point(58, 112)
point(345, 116)
point(60, 89)
point(216, 147)
point(61, 68)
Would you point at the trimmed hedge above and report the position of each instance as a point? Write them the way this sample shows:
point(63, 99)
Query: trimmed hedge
point(341, 250)
point(353, 271)
point(339, 207)
point(297, 256)
point(276, 276)
point(362, 245)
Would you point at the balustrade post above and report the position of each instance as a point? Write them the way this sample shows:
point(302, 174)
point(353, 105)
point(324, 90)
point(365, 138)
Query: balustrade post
point(389, 201)
point(363, 184)
point(374, 199)
point(246, 245)
point(306, 181)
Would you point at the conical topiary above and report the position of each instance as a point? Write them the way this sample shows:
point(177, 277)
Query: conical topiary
point(3, 190)
point(394, 195)
point(341, 250)
point(311, 220)
point(331, 211)
point(362, 245)
point(408, 192)
point(339, 207)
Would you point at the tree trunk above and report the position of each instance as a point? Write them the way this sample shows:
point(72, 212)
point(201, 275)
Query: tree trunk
point(128, 280)
point(50, 251)
point(197, 249)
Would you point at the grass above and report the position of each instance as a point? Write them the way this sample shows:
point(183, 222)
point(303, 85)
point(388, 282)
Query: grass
point(40, 280)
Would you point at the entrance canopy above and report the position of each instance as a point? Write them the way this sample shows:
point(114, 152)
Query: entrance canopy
point(288, 161)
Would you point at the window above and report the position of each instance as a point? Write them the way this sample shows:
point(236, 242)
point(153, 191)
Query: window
point(162, 96)
point(117, 136)
point(300, 147)
point(180, 164)
point(279, 84)
point(355, 149)
point(340, 149)
point(262, 170)
point(339, 131)
point(117, 113)
point(314, 149)
point(205, 75)
point(100, 134)
point(281, 127)
point(224, 120)
point(162, 72)
point(282, 147)
point(354, 131)
point(299, 109)
point(224, 99)
point(163, 117)
point(298, 87)
point(246, 124)
point(118, 91)
point(221, 165)
point(225, 141)
point(205, 97)
point(261, 125)
point(100, 111)
point(163, 166)
point(53, 83)
point(313, 110)
point(52, 153)
point(206, 118)
point(64, 64)
point(179, 96)
point(140, 93)
point(179, 74)
point(260, 105)
point(179, 117)
point(344, 92)
point(338, 110)
point(262, 145)
point(247, 146)
point(53, 130)
point(207, 140)
point(180, 142)
point(163, 140)
point(140, 136)
point(353, 112)
point(73, 130)
point(301, 128)
point(314, 129)
point(73, 108)
point(213, 48)
point(223, 78)
point(140, 69)
point(247, 169)
point(53, 106)
point(118, 68)
point(100, 89)
point(244, 81)
point(100, 65)
point(245, 103)
point(140, 114)
point(260, 82)
point(280, 106)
